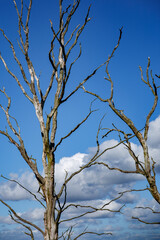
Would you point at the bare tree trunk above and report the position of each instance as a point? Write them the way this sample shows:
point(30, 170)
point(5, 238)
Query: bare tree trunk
point(59, 79)
point(50, 224)
point(51, 227)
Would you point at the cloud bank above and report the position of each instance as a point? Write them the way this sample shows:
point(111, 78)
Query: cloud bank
point(94, 186)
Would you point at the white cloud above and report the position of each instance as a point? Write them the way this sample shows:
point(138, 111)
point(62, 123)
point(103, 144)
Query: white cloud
point(96, 182)
point(93, 186)
point(12, 191)
point(117, 157)
point(154, 141)
point(33, 214)
point(70, 164)
point(154, 136)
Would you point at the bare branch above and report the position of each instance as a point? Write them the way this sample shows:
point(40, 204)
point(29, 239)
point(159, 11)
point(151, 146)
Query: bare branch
point(140, 220)
point(79, 33)
point(92, 209)
point(153, 211)
point(72, 34)
point(74, 129)
point(15, 77)
point(19, 146)
point(24, 225)
point(134, 190)
point(154, 91)
point(69, 71)
point(99, 208)
point(12, 180)
point(85, 165)
point(22, 219)
point(109, 78)
point(16, 59)
point(84, 81)
point(94, 233)
point(146, 171)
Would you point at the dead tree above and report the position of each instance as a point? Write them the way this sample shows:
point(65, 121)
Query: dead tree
point(61, 70)
point(147, 166)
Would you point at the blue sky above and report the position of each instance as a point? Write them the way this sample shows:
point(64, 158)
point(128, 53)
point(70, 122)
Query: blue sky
point(140, 39)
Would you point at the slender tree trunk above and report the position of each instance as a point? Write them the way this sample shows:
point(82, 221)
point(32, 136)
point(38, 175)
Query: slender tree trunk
point(150, 176)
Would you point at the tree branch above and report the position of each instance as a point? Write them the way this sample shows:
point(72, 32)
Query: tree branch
point(22, 219)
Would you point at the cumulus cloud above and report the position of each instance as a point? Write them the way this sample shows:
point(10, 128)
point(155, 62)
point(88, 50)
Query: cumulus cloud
point(33, 214)
point(94, 186)
point(12, 191)
point(96, 182)
point(117, 156)
point(154, 141)
point(154, 130)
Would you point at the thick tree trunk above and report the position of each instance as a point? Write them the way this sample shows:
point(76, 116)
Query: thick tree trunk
point(51, 228)
point(50, 224)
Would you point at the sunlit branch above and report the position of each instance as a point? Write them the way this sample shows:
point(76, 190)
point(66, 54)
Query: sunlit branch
point(20, 146)
point(72, 34)
point(78, 33)
point(15, 57)
point(17, 134)
point(70, 15)
point(15, 77)
point(49, 87)
point(20, 24)
point(56, 203)
point(25, 46)
point(154, 92)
